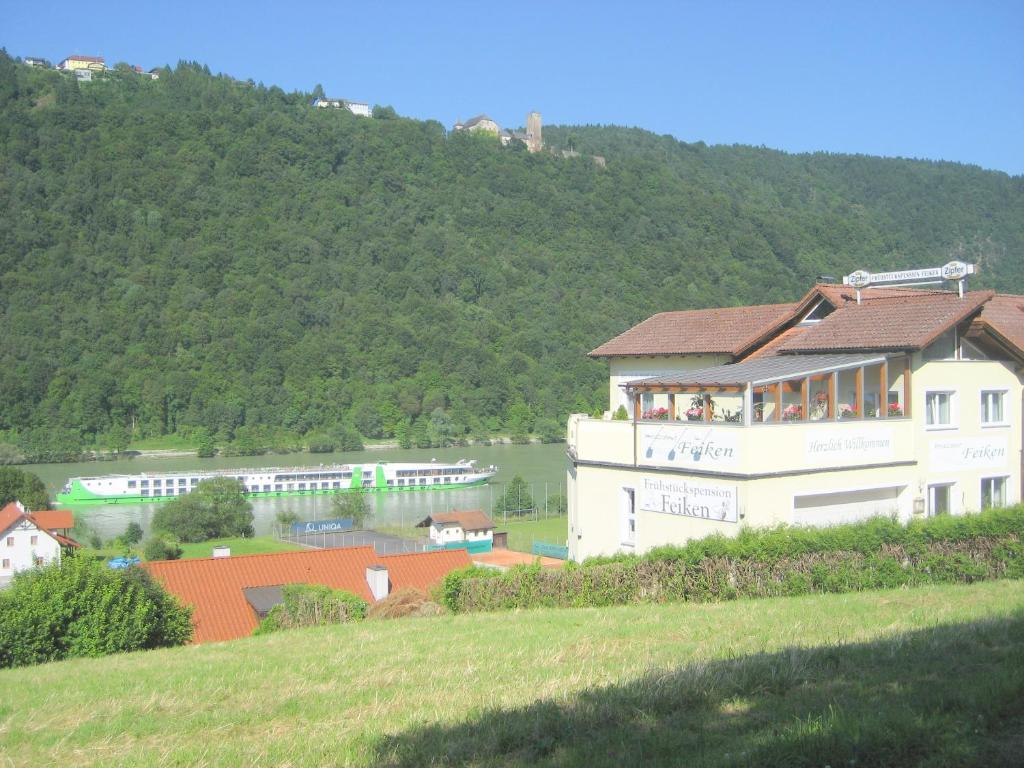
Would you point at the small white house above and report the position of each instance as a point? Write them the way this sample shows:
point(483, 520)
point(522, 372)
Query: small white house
point(449, 527)
point(25, 542)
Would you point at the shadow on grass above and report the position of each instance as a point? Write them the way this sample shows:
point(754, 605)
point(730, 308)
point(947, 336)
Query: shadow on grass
point(947, 696)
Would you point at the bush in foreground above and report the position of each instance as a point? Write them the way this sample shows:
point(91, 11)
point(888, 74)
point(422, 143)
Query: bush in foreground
point(83, 608)
point(312, 605)
point(876, 554)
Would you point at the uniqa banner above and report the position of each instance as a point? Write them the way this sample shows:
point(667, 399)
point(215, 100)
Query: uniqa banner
point(683, 444)
point(686, 498)
point(323, 526)
point(968, 453)
point(850, 445)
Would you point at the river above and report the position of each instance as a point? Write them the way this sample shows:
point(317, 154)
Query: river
point(541, 466)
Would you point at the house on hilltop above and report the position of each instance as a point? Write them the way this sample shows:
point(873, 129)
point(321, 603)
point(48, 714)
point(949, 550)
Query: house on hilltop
point(36, 61)
point(360, 108)
point(230, 595)
point(77, 61)
point(873, 398)
point(531, 137)
point(32, 539)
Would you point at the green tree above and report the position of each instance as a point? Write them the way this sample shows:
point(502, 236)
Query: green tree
point(516, 500)
point(26, 487)
point(80, 607)
point(132, 534)
point(215, 508)
point(118, 438)
point(353, 504)
point(162, 546)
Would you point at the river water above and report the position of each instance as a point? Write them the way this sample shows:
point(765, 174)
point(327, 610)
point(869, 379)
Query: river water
point(541, 466)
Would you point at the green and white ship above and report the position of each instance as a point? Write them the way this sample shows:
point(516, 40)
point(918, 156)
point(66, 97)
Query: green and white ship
point(276, 481)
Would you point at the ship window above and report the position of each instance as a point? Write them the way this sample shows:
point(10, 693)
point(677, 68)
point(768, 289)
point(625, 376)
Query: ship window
point(131, 483)
point(195, 481)
point(336, 484)
point(278, 486)
point(181, 481)
point(423, 481)
point(145, 483)
point(302, 486)
point(325, 485)
point(401, 481)
point(157, 482)
point(145, 492)
point(170, 491)
point(437, 479)
point(266, 488)
point(391, 482)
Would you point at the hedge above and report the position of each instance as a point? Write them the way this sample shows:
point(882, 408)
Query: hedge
point(876, 554)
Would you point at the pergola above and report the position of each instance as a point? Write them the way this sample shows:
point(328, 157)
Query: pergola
point(767, 381)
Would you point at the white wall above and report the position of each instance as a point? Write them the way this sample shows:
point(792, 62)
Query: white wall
point(21, 553)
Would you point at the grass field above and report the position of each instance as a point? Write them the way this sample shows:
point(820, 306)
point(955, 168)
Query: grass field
point(926, 677)
point(257, 545)
point(522, 533)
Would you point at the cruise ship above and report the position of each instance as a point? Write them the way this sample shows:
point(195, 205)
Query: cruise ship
point(276, 481)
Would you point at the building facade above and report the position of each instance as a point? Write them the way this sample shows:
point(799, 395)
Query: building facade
point(75, 62)
point(842, 406)
point(31, 539)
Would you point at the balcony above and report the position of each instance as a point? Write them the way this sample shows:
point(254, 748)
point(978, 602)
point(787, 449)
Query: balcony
point(783, 414)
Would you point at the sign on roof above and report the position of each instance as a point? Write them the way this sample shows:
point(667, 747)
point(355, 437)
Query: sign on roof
point(954, 270)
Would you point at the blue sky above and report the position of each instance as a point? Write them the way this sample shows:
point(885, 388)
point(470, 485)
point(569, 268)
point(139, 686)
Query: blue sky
point(916, 79)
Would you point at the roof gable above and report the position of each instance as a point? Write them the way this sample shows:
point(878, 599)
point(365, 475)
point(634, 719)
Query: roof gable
point(468, 520)
point(893, 321)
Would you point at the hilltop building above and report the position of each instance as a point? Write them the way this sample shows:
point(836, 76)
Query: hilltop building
point(360, 108)
point(35, 61)
point(532, 137)
point(854, 401)
point(230, 595)
point(32, 539)
point(77, 61)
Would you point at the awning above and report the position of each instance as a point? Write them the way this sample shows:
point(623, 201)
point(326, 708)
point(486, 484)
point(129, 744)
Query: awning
point(762, 370)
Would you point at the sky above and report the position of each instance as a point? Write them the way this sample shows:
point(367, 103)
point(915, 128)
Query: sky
point(935, 80)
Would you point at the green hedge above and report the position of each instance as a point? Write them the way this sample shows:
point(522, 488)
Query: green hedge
point(876, 554)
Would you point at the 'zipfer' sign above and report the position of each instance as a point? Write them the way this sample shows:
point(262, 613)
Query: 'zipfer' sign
point(954, 270)
point(323, 526)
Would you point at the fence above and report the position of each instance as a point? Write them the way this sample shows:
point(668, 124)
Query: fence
point(524, 501)
point(473, 547)
point(543, 549)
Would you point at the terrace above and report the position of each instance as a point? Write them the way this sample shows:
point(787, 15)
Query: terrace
point(770, 415)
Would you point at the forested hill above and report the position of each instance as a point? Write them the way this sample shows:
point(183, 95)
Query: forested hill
point(198, 254)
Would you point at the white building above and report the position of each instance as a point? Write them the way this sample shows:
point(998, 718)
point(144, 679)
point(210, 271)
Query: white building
point(831, 409)
point(30, 539)
point(451, 527)
point(360, 108)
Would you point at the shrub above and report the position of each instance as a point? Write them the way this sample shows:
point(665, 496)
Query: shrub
point(354, 505)
point(621, 414)
point(516, 500)
point(404, 603)
point(874, 554)
point(26, 487)
point(216, 508)
point(81, 607)
point(162, 546)
point(312, 605)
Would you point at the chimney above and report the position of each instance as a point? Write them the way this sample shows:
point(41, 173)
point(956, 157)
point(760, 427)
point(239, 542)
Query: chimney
point(222, 551)
point(377, 580)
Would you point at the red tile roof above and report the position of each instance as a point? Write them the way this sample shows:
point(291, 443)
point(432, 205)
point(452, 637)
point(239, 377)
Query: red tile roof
point(904, 321)
point(213, 587)
point(53, 519)
point(9, 515)
point(1004, 315)
point(728, 330)
point(468, 520)
point(79, 57)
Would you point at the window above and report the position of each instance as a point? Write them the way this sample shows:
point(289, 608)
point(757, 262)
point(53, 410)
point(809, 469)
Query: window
point(33, 540)
point(939, 409)
point(131, 483)
point(302, 486)
point(646, 402)
point(939, 498)
point(10, 541)
point(278, 486)
point(145, 492)
point(7, 563)
point(40, 562)
point(993, 492)
point(181, 481)
point(401, 481)
point(992, 409)
point(145, 483)
point(628, 517)
point(266, 488)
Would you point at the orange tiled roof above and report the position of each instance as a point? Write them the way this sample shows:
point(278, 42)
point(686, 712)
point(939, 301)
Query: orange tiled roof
point(727, 330)
point(1004, 314)
point(53, 519)
point(468, 520)
point(9, 515)
point(888, 322)
point(213, 587)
